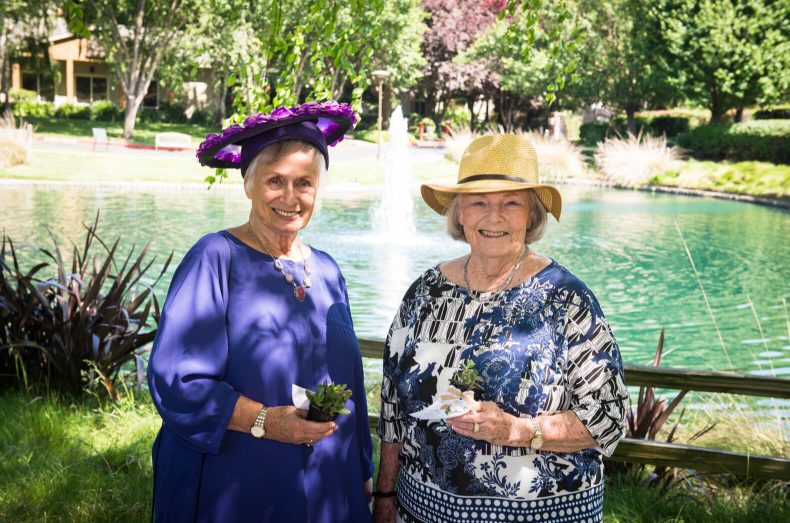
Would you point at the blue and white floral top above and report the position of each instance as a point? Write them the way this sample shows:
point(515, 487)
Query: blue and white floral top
point(543, 346)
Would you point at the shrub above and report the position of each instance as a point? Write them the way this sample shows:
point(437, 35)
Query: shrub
point(73, 112)
point(149, 115)
point(22, 95)
point(79, 327)
point(636, 159)
point(33, 109)
point(757, 140)
point(105, 111)
point(669, 126)
point(780, 112)
point(173, 113)
point(592, 133)
point(201, 117)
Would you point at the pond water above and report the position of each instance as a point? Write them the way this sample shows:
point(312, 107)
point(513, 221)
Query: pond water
point(625, 245)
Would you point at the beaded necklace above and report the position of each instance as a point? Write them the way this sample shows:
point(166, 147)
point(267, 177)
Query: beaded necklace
point(300, 291)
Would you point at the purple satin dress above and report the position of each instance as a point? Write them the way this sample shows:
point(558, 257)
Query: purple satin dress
point(231, 326)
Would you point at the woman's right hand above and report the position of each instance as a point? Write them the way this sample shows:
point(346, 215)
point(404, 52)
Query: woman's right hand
point(385, 510)
point(289, 425)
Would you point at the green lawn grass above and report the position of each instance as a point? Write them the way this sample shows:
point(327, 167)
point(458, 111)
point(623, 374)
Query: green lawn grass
point(90, 461)
point(144, 132)
point(755, 178)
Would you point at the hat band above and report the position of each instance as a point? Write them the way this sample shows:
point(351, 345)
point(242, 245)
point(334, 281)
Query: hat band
point(477, 177)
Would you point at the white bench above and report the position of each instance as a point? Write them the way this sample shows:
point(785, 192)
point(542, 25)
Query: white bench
point(100, 136)
point(173, 141)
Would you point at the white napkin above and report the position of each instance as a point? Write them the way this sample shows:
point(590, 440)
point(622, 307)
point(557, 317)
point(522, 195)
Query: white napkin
point(299, 397)
point(449, 405)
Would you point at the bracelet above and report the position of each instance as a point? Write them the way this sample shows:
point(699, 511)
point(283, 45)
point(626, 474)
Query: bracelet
point(390, 494)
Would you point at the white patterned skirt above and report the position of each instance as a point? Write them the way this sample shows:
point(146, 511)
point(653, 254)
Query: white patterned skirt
point(423, 502)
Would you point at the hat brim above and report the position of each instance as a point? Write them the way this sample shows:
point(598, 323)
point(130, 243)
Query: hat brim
point(438, 197)
point(223, 150)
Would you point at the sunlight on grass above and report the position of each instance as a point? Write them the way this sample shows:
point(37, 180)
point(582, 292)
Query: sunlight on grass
point(759, 178)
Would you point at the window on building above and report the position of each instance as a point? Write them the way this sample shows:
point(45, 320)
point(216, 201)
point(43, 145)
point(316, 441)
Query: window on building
point(91, 88)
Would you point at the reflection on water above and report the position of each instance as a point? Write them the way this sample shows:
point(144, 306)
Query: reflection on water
point(623, 244)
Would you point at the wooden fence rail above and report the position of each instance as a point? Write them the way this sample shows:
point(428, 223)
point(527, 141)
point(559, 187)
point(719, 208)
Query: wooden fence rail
point(673, 454)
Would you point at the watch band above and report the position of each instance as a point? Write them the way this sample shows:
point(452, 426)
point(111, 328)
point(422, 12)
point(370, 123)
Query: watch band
point(258, 430)
point(537, 439)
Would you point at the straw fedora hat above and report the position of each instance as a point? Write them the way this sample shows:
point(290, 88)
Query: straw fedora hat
point(495, 163)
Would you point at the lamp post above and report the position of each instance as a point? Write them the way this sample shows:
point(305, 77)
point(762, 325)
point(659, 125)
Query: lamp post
point(379, 76)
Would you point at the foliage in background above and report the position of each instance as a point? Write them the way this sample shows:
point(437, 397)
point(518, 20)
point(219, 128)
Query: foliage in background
point(24, 37)
point(529, 70)
point(558, 159)
point(725, 54)
point(634, 160)
point(756, 178)
point(136, 36)
point(756, 140)
point(78, 328)
point(617, 61)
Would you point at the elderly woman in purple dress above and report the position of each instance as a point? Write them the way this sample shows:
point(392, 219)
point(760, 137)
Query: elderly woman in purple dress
point(252, 311)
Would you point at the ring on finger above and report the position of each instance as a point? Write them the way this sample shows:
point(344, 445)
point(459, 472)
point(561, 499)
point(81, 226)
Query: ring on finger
point(477, 427)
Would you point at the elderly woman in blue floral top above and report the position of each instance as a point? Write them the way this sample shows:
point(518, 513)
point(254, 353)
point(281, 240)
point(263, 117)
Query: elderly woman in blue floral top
point(552, 400)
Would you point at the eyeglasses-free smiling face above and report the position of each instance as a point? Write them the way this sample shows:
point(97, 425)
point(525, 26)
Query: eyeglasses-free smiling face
point(283, 195)
point(495, 224)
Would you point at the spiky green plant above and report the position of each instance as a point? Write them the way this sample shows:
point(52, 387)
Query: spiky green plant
point(80, 326)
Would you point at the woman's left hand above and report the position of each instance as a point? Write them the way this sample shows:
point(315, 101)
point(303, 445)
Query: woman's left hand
point(492, 423)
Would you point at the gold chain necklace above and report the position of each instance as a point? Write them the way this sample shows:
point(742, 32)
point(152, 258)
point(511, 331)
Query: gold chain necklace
point(300, 291)
point(477, 295)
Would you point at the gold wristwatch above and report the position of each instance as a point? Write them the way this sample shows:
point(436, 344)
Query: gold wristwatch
point(537, 439)
point(258, 430)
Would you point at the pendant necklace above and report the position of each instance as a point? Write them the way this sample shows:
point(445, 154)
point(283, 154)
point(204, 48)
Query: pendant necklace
point(300, 291)
point(477, 295)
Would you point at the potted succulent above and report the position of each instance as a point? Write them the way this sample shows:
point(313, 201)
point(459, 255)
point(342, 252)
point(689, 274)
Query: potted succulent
point(466, 378)
point(327, 401)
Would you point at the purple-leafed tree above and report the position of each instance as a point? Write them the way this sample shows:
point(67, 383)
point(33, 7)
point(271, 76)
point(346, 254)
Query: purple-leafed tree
point(453, 25)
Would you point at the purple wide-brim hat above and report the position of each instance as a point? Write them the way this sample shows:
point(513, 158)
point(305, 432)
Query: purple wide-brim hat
point(332, 119)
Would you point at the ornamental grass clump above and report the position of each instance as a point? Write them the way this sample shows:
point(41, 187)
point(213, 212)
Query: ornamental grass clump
point(635, 160)
point(78, 328)
point(328, 401)
point(16, 143)
point(557, 159)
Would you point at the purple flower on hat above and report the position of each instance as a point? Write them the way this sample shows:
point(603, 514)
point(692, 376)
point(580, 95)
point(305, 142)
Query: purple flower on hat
point(327, 115)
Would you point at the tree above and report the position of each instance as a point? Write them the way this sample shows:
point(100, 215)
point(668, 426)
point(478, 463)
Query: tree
point(530, 65)
point(24, 28)
point(136, 36)
point(621, 61)
point(453, 26)
point(727, 53)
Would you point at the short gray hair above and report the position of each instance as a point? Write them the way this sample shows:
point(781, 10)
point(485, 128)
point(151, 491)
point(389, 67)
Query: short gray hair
point(275, 152)
point(538, 217)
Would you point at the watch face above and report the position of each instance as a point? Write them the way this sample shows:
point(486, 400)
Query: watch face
point(536, 443)
point(257, 431)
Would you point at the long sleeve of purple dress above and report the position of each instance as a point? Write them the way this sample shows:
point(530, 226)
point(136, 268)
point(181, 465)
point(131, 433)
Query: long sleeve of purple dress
point(231, 326)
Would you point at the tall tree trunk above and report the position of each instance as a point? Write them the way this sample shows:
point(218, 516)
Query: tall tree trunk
point(739, 113)
point(630, 117)
point(470, 103)
point(130, 115)
point(5, 63)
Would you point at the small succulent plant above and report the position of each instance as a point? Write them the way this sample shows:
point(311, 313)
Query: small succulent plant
point(466, 377)
point(328, 401)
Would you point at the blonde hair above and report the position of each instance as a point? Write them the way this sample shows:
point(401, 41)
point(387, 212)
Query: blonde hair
point(277, 151)
point(538, 217)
